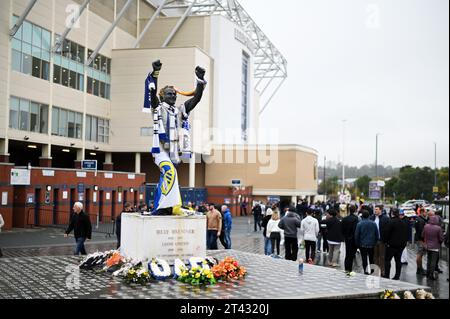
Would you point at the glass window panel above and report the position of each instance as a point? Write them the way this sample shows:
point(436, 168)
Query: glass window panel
point(16, 44)
point(73, 51)
point(27, 64)
point(81, 54)
point(46, 40)
point(102, 77)
point(96, 75)
point(78, 125)
point(36, 67)
point(65, 77)
point(96, 87)
point(89, 55)
point(43, 118)
point(88, 127)
point(71, 125)
point(108, 91)
point(36, 52)
point(80, 82)
point(16, 61)
point(45, 69)
point(14, 113)
point(66, 49)
point(97, 62)
point(73, 80)
point(18, 34)
point(24, 120)
point(73, 66)
point(57, 60)
point(59, 49)
point(34, 117)
point(45, 55)
point(80, 68)
point(55, 121)
point(27, 32)
point(37, 36)
point(108, 79)
point(108, 62)
point(89, 85)
point(26, 48)
point(94, 130)
point(104, 64)
point(62, 123)
point(65, 63)
point(102, 89)
point(57, 74)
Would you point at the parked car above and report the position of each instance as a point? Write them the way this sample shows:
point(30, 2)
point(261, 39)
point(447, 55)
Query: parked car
point(411, 204)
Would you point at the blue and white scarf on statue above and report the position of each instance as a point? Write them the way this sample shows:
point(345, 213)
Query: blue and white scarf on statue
point(178, 138)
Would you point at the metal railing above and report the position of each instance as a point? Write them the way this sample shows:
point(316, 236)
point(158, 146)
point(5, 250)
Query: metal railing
point(60, 219)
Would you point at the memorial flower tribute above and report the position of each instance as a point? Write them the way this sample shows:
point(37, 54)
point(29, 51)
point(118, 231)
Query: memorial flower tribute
point(197, 276)
point(229, 269)
point(197, 272)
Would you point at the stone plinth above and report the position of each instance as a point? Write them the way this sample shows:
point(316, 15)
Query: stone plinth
point(165, 237)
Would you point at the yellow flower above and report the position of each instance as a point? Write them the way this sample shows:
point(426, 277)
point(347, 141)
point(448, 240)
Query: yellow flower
point(197, 275)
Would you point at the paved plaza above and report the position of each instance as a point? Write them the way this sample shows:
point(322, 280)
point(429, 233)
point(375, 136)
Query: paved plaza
point(39, 265)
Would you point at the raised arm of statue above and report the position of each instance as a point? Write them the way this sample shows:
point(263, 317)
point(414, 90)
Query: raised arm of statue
point(201, 83)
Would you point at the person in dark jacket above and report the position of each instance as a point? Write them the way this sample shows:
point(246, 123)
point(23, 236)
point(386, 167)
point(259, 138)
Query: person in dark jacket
point(290, 224)
point(381, 221)
point(80, 223)
point(334, 236)
point(433, 239)
point(421, 221)
point(349, 224)
point(396, 239)
point(257, 216)
point(227, 225)
point(127, 208)
point(366, 237)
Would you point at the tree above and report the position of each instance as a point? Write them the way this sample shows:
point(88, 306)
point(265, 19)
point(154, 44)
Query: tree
point(332, 186)
point(362, 185)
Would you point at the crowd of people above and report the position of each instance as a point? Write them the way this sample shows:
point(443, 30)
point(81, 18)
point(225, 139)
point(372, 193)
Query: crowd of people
point(368, 231)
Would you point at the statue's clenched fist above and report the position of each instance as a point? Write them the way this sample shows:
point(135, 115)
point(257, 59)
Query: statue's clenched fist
point(200, 72)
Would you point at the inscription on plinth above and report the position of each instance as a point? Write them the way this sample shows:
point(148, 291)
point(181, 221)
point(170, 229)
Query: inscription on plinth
point(165, 237)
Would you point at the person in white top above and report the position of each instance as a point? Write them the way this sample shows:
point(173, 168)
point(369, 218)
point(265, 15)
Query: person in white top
point(274, 232)
point(310, 230)
point(2, 223)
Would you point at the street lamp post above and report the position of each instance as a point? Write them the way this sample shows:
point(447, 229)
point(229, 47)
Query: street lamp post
point(343, 157)
point(325, 178)
point(376, 157)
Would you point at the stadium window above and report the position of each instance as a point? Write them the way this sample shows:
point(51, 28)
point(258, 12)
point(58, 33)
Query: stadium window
point(14, 113)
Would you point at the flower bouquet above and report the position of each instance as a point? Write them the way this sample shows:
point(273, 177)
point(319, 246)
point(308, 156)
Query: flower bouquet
point(229, 269)
point(138, 275)
point(114, 262)
point(389, 294)
point(197, 276)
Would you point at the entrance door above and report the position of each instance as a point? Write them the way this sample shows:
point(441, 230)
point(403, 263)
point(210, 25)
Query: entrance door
point(100, 205)
point(55, 206)
point(87, 201)
point(37, 206)
point(113, 205)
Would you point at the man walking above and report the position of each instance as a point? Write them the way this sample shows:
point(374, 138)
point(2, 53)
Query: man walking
point(396, 239)
point(290, 223)
point(380, 250)
point(257, 215)
point(433, 238)
point(267, 240)
point(214, 226)
point(421, 221)
point(366, 237)
point(310, 230)
point(228, 222)
point(349, 224)
point(334, 237)
point(81, 225)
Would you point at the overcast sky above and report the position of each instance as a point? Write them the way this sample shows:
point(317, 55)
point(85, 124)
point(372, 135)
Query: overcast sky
point(381, 65)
